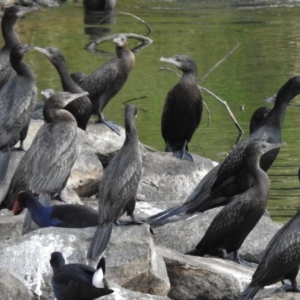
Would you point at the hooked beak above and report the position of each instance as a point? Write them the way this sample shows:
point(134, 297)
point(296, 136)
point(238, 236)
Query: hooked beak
point(170, 60)
point(119, 41)
point(273, 146)
point(73, 97)
point(44, 51)
point(26, 10)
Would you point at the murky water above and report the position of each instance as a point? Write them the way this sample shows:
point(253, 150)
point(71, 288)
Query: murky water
point(268, 54)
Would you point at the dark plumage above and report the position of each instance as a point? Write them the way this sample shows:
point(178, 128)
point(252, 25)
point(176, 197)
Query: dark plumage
point(105, 82)
point(99, 4)
point(258, 116)
point(17, 101)
point(229, 178)
point(69, 215)
point(280, 261)
point(182, 110)
point(9, 19)
point(78, 281)
point(234, 222)
point(47, 163)
point(80, 108)
point(118, 187)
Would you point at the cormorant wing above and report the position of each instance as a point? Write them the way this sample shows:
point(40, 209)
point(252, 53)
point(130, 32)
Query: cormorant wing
point(281, 254)
point(227, 220)
point(51, 157)
point(117, 187)
point(13, 108)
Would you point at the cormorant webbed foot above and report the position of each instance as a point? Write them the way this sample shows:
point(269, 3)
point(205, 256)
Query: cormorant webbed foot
point(20, 148)
point(111, 125)
point(183, 154)
point(243, 262)
point(293, 287)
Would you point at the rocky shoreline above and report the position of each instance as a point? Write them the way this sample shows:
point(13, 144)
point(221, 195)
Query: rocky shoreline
point(140, 265)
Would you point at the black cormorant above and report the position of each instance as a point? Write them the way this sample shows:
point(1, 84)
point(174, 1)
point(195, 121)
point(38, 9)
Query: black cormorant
point(69, 215)
point(258, 116)
point(182, 110)
point(99, 4)
point(234, 222)
point(80, 108)
point(118, 187)
point(52, 154)
point(105, 82)
point(229, 177)
point(78, 281)
point(280, 261)
point(17, 101)
point(9, 19)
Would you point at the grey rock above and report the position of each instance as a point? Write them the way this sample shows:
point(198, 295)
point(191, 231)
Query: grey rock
point(105, 142)
point(184, 235)
point(168, 181)
point(11, 288)
point(87, 170)
point(195, 278)
point(15, 159)
point(275, 293)
point(123, 294)
point(131, 257)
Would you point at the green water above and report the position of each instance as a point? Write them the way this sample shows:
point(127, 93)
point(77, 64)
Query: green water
point(268, 54)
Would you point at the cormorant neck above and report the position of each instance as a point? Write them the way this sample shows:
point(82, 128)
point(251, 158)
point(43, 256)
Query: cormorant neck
point(189, 76)
point(121, 50)
point(66, 80)
point(58, 115)
point(9, 35)
point(131, 133)
point(21, 68)
point(254, 168)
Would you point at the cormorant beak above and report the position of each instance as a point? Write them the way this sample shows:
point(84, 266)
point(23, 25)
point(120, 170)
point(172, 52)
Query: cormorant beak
point(119, 41)
point(272, 146)
point(171, 60)
point(17, 209)
point(73, 97)
point(44, 51)
point(26, 10)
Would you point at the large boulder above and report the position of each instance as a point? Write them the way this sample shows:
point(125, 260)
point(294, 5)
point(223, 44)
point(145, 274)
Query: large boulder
point(132, 260)
point(184, 235)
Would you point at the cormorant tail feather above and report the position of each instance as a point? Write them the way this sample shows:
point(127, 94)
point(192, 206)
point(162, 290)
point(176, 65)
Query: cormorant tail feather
point(161, 218)
point(100, 240)
point(249, 293)
point(4, 161)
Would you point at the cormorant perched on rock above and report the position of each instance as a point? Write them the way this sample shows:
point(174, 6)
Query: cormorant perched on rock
point(229, 177)
point(17, 101)
point(234, 222)
point(182, 110)
point(118, 187)
point(80, 108)
point(280, 261)
point(105, 82)
point(78, 281)
point(69, 215)
point(52, 154)
point(9, 19)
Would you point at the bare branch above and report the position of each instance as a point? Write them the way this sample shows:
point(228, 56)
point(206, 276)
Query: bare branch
point(145, 41)
point(218, 63)
point(170, 70)
point(136, 98)
point(208, 113)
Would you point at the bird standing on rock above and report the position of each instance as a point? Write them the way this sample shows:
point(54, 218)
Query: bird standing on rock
point(105, 82)
point(80, 108)
point(118, 187)
point(52, 154)
point(9, 19)
point(229, 178)
point(280, 261)
point(17, 101)
point(234, 222)
point(78, 281)
point(182, 110)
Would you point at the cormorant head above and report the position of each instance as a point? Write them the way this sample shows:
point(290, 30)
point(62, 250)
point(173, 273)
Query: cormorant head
point(182, 62)
point(21, 202)
point(120, 40)
point(53, 54)
point(19, 50)
point(47, 93)
point(61, 99)
point(259, 148)
point(57, 260)
point(288, 91)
